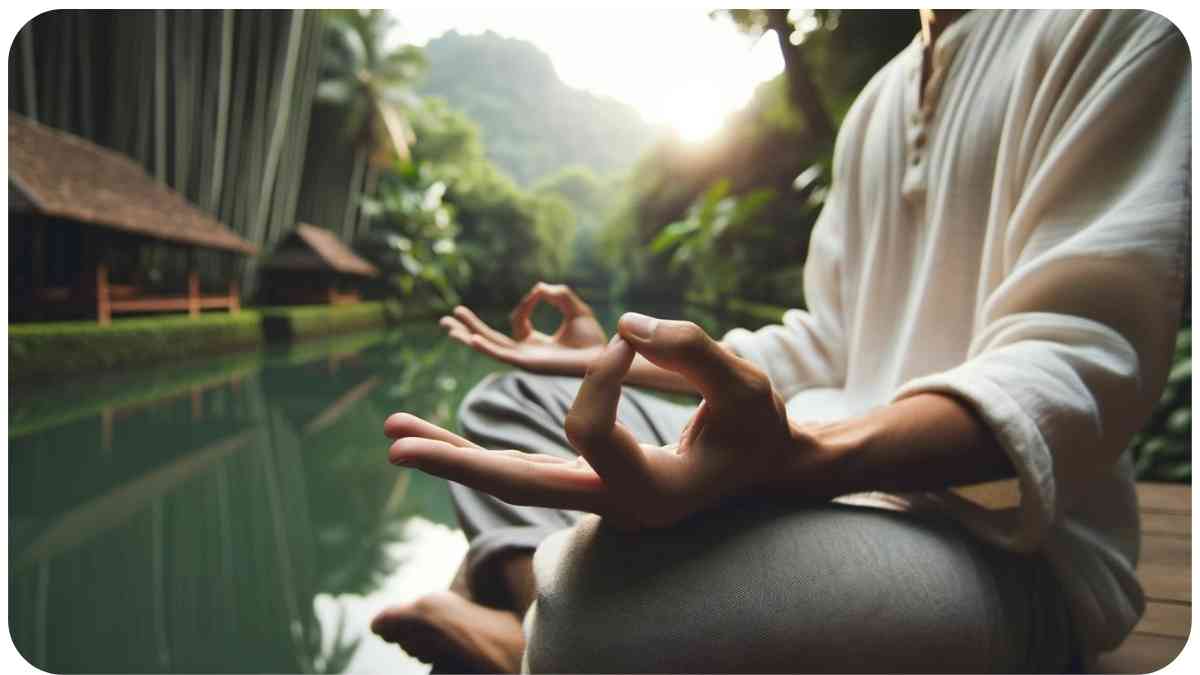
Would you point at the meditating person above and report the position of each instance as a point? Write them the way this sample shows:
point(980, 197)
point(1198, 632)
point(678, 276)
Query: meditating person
point(925, 469)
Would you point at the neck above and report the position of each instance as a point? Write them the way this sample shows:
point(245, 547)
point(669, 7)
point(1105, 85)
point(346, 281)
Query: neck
point(934, 21)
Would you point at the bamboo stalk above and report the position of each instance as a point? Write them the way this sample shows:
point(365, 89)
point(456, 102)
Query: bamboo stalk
point(229, 198)
point(223, 86)
point(85, 75)
point(282, 113)
point(160, 95)
point(180, 101)
point(313, 51)
point(27, 74)
point(356, 176)
point(62, 91)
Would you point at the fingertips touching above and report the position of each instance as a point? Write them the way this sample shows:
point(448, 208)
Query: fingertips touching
point(613, 362)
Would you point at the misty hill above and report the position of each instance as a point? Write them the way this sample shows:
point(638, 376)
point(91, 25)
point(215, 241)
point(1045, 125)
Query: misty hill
point(532, 123)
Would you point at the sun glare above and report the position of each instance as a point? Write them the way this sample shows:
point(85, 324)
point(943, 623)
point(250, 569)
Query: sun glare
point(695, 110)
point(679, 67)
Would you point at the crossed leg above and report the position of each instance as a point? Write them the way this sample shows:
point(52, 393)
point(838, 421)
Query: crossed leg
point(759, 587)
point(476, 626)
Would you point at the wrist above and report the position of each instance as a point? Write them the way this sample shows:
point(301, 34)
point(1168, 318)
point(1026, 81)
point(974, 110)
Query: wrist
point(826, 459)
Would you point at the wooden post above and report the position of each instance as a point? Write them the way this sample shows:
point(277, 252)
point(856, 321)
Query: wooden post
point(193, 285)
point(103, 310)
point(235, 300)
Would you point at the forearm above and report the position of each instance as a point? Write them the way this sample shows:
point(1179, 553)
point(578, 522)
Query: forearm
point(925, 442)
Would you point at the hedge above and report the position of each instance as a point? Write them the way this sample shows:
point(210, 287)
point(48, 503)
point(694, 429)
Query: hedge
point(290, 323)
point(42, 350)
point(68, 347)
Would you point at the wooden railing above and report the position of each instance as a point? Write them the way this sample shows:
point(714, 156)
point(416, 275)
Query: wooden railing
point(192, 303)
point(338, 298)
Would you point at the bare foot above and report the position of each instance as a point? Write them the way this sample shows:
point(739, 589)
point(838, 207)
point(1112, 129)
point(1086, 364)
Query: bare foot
point(445, 628)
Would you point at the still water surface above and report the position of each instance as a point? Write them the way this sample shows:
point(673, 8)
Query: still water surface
point(232, 515)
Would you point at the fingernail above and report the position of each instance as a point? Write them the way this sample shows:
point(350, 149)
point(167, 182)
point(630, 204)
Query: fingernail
point(639, 325)
point(398, 458)
point(613, 340)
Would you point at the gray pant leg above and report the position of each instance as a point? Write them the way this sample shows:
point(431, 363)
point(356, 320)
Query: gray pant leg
point(779, 588)
point(526, 411)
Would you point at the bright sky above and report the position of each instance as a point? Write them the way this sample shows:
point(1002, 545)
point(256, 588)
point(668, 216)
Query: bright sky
point(676, 66)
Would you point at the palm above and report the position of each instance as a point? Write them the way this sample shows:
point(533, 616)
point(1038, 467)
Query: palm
point(577, 332)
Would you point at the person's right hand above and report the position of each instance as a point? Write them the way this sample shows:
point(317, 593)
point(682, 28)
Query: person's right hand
point(578, 339)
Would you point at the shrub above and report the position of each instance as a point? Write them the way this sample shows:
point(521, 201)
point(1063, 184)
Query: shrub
point(49, 349)
point(1162, 450)
point(299, 322)
point(41, 350)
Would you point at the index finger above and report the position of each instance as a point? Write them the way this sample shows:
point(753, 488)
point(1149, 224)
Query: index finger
point(509, 476)
point(592, 426)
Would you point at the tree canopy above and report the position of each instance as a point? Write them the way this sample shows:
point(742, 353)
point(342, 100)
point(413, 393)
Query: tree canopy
point(532, 123)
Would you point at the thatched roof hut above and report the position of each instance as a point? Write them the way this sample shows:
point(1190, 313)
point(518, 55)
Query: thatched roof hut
point(311, 265)
point(78, 215)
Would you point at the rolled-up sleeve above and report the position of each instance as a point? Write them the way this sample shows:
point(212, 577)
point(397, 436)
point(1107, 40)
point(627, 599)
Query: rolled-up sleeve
point(1073, 345)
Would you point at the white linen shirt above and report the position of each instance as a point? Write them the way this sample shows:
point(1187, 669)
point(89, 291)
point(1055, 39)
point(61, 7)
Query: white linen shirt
point(1020, 242)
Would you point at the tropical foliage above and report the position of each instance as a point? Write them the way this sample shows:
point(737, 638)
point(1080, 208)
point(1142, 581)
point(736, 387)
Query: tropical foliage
point(1163, 449)
point(372, 86)
point(769, 166)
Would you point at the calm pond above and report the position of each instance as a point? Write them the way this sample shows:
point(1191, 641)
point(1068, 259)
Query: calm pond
point(234, 514)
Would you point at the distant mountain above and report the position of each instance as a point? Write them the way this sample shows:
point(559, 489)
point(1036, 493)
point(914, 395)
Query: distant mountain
point(532, 123)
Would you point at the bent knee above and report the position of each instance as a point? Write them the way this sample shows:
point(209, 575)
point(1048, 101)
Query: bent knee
point(507, 395)
point(763, 590)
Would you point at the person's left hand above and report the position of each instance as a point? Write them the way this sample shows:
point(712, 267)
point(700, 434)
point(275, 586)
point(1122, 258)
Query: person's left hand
point(738, 441)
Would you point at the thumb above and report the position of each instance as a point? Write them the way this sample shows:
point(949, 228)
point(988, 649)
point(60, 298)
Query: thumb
point(684, 347)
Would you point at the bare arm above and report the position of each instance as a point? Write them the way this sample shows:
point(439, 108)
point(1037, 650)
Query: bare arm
point(924, 442)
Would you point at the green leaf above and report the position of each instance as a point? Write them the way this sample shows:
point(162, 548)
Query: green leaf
point(1180, 421)
point(807, 177)
point(1180, 471)
point(672, 234)
point(335, 91)
point(1181, 371)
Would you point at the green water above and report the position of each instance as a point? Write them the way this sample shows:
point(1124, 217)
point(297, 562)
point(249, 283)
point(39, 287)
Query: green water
point(233, 515)
point(236, 514)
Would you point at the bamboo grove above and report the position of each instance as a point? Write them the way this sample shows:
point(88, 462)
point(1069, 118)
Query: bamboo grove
point(217, 104)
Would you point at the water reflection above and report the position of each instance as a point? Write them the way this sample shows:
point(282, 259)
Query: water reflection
point(235, 514)
point(230, 516)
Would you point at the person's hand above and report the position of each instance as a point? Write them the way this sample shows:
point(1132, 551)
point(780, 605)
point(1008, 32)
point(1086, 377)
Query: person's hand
point(738, 442)
point(578, 339)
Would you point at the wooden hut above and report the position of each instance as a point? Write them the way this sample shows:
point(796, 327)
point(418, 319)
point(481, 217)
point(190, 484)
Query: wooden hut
point(91, 233)
point(312, 266)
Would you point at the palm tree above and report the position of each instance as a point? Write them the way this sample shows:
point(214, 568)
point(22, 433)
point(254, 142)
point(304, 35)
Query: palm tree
point(373, 85)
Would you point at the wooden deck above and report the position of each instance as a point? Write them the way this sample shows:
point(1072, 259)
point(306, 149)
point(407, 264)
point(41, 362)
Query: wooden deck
point(1165, 570)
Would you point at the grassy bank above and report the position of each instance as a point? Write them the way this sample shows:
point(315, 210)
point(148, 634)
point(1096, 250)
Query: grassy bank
point(47, 350)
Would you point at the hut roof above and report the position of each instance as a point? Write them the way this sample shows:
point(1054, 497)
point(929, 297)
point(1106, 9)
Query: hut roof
point(320, 249)
point(62, 175)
